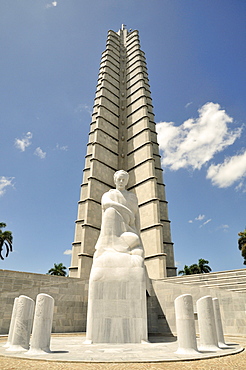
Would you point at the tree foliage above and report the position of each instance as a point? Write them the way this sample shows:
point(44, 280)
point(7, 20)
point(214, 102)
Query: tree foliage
point(58, 269)
point(242, 244)
point(6, 240)
point(201, 268)
point(185, 271)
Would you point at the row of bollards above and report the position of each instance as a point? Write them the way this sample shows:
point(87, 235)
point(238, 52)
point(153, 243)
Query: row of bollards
point(23, 323)
point(209, 323)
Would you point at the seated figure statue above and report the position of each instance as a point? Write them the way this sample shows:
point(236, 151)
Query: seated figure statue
point(117, 286)
point(120, 229)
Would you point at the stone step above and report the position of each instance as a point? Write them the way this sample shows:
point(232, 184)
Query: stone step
point(238, 290)
point(226, 285)
point(209, 276)
point(219, 280)
point(234, 280)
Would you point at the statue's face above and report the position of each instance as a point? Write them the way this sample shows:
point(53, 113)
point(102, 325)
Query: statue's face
point(121, 181)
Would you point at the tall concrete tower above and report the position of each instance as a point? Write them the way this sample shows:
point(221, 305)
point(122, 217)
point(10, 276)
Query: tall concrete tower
point(123, 136)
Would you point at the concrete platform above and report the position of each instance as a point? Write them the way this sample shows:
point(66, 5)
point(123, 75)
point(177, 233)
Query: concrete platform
point(70, 348)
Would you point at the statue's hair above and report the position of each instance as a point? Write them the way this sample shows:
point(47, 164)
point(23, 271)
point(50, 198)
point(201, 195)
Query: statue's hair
point(121, 172)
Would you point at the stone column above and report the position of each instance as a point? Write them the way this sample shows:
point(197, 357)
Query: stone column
point(23, 324)
point(12, 323)
point(218, 324)
point(206, 323)
point(42, 325)
point(185, 325)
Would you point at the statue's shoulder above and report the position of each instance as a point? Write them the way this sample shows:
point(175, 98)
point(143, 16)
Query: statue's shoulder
point(111, 191)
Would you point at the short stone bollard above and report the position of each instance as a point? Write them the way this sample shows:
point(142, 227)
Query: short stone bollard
point(206, 323)
point(42, 325)
point(218, 324)
point(12, 323)
point(185, 324)
point(23, 324)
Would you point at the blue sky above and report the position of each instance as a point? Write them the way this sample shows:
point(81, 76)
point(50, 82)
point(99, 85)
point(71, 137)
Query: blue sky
point(196, 57)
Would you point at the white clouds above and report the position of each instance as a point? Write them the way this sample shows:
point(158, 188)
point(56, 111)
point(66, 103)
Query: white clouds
point(231, 170)
point(4, 182)
point(63, 148)
point(84, 107)
point(177, 263)
point(51, 5)
point(23, 143)
point(225, 228)
point(200, 218)
point(206, 222)
point(39, 152)
point(196, 141)
point(241, 186)
point(188, 104)
point(67, 252)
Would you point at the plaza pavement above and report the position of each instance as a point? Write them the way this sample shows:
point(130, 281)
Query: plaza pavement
point(230, 362)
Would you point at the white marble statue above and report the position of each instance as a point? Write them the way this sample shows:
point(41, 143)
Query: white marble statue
point(120, 229)
point(117, 285)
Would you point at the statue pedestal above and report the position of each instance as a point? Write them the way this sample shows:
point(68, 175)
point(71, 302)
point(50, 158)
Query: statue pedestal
point(117, 299)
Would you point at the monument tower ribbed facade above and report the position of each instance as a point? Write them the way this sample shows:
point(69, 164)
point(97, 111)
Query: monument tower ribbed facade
point(123, 136)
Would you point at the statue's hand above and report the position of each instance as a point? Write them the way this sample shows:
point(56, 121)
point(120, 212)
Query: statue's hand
point(137, 252)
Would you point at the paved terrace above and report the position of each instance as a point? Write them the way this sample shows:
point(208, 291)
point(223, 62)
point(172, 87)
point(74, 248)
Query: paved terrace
point(233, 361)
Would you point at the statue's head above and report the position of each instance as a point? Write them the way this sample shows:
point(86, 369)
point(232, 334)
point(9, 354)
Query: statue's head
point(121, 178)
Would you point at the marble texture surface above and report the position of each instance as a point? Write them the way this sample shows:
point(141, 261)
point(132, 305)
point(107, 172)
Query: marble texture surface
point(72, 349)
point(206, 323)
point(185, 324)
point(23, 324)
point(12, 323)
point(117, 285)
point(42, 325)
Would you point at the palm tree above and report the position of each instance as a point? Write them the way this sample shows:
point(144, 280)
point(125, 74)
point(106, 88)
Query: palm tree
point(242, 244)
point(58, 269)
point(195, 269)
point(6, 239)
point(185, 271)
point(203, 266)
point(200, 268)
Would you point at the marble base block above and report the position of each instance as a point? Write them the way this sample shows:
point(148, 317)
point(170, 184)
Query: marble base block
point(117, 300)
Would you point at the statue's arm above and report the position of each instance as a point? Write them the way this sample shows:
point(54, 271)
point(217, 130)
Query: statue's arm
point(107, 202)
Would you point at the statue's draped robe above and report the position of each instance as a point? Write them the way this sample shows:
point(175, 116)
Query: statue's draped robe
point(117, 286)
